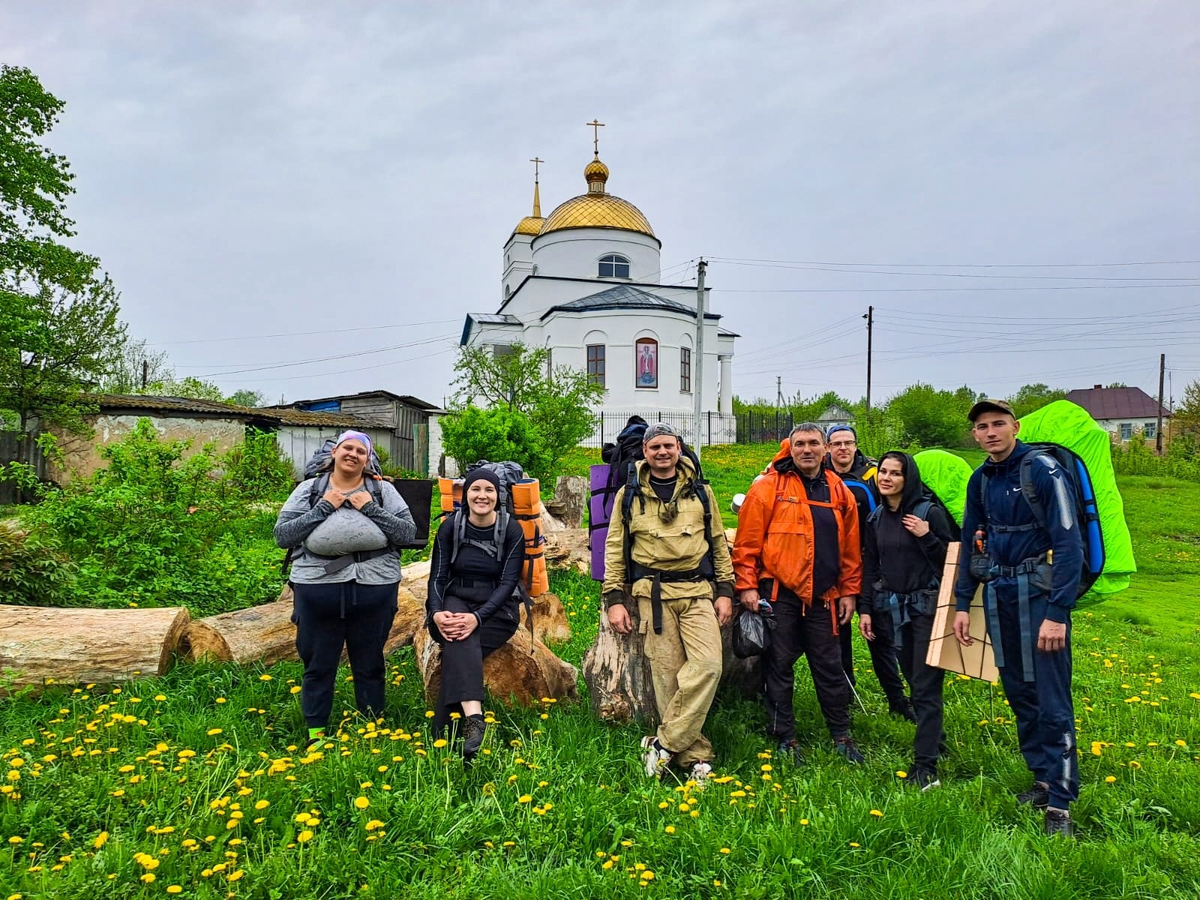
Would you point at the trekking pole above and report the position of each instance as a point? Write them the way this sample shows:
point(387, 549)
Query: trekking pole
point(855, 693)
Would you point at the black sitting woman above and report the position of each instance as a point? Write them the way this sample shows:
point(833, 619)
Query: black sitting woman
point(472, 608)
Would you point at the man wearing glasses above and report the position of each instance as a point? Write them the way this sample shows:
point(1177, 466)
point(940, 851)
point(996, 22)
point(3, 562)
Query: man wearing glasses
point(857, 472)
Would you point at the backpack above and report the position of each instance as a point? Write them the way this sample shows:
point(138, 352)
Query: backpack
point(620, 457)
point(321, 462)
point(921, 510)
point(1086, 512)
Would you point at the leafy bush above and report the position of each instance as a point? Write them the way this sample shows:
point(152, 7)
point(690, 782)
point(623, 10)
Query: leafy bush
point(32, 571)
point(258, 469)
point(494, 434)
point(1137, 458)
point(933, 418)
point(154, 529)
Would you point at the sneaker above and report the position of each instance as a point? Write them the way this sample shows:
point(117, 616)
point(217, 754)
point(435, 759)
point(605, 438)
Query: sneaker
point(925, 780)
point(846, 749)
point(903, 709)
point(1059, 824)
point(656, 758)
point(790, 750)
point(700, 774)
point(473, 736)
point(1037, 796)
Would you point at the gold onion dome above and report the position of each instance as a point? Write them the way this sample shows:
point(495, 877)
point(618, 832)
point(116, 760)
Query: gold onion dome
point(597, 208)
point(529, 225)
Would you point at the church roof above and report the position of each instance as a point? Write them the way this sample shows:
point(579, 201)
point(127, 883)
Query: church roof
point(625, 296)
point(597, 208)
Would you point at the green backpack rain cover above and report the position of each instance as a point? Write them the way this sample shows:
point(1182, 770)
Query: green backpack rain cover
point(946, 475)
point(1070, 426)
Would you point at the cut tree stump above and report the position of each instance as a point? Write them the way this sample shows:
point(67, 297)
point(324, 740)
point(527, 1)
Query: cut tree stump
point(569, 501)
point(568, 549)
point(511, 673)
point(549, 619)
point(80, 646)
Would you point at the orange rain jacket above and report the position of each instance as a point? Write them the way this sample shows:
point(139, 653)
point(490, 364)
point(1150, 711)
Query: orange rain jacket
point(775, 534)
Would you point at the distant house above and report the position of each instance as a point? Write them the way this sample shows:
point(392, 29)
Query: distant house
point(1122, 411)
point(835, 415)
point(414, 436)
point(299, 433)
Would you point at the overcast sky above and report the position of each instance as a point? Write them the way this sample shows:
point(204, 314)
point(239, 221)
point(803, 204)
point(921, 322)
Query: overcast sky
point(251, 169)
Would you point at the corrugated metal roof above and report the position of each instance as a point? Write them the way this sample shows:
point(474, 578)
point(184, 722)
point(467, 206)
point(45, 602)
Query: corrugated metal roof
point(183, 406)
point(1117, 403)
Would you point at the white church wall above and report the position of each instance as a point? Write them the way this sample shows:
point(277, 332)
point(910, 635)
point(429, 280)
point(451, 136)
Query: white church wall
point(518, 263)
point(576, 253)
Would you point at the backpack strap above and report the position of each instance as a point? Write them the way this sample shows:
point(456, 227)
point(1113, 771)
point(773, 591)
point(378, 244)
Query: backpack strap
point(1028, 490)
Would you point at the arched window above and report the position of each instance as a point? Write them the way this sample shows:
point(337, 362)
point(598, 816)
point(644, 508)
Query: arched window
point(645, 358)
point(614, 266)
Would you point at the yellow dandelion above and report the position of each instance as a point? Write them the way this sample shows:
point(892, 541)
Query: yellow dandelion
point(264, 677)
point(439, 743)
point(647, 875)
point(852, 844)
point(148, 877)
point(213, 732)
point(1110, 779)
point(670, 829)
point(174, 889)
point(304, 837)
point(525, 798)
point(234, 875)
point(361, 803)
point(876, 813)
point(101, 840)
point(262, 804)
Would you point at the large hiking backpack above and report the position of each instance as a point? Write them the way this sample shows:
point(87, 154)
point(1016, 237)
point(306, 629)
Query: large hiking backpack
point(321, 461)
point(946, 476)
point(1055, 456)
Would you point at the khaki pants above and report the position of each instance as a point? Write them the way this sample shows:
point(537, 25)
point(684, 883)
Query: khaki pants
point(685, 663)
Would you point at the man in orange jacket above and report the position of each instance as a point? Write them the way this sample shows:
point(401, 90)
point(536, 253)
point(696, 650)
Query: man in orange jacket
point(798, 548)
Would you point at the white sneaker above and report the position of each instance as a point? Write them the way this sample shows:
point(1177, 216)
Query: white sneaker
point(701, 772)
point(655, 759)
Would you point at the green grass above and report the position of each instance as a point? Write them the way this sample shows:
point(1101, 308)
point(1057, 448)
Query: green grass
point(450, 832)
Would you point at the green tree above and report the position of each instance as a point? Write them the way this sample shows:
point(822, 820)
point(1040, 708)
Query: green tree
point(931, 417)
point(133, 361)
point(496, 433)
point(58, 313)
point(559, 405)
point(1033, 397)
point(246, 397)
point(1187, 414)
point(193, 388)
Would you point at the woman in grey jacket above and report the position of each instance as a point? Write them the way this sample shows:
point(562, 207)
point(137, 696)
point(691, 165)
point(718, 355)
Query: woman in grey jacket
point(344, 579)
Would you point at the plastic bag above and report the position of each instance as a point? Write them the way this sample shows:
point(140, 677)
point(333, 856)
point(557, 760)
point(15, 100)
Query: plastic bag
point(751, 634)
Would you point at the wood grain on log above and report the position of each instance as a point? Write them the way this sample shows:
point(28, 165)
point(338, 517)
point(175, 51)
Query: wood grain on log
point(511, 673)
point(549, 618)
point(568, 549)
point(617, 673)
point(80, 646)
point(570, 500)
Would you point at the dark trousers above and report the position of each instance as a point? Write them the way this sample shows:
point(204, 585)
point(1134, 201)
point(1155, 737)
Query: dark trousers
point(329, 616)
point(924, 681)
point(808, 631)
point(1042, 707)
point(462, 661)
point(883, 662)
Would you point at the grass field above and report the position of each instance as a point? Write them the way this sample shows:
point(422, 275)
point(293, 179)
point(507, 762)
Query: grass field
point(192, 785)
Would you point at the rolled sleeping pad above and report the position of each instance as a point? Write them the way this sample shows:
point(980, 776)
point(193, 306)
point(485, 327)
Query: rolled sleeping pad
point(527, 507)
point(600, 505)
point(451, 490)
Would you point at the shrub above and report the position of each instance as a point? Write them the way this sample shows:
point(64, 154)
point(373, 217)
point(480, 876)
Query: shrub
point(494, 434)
point(32, 571)
point(257, 468)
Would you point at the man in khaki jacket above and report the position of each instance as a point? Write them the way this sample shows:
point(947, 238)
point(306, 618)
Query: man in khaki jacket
point(681, 576)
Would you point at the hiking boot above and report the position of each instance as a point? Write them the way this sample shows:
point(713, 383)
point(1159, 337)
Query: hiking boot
point(903, 709)
point(1037, 796)
point(701, 772)
point(925, 780)
point(656, 758)
point(790, 750)
point(846, 749)
point(473, 736)
point(1059, 824)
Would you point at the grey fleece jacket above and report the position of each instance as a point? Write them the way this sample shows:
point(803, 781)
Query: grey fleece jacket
point(333, 532)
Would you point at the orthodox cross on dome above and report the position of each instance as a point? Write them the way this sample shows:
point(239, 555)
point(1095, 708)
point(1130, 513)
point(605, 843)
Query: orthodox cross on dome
point(537, 201)
point(595, 125)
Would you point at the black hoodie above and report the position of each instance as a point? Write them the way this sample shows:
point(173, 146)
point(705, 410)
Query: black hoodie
point(894, 559)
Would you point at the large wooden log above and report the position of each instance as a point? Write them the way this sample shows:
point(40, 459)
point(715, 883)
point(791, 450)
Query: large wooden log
point(80, 646)
point(570, 500)
point(549, 619)
point(568, 549)
point(511, 674)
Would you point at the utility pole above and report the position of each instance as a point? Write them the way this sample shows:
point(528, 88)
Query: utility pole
point(146, 373)
point(1162, 370)
point(870, 317)
point(778, 391)
point(698, 365)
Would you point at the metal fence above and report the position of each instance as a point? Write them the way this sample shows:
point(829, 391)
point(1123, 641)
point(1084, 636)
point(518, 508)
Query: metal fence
point(764, 428)
point(714, 427)
point(13, 449)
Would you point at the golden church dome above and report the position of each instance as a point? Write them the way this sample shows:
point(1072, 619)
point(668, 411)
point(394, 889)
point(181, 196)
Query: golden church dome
point(597, 208)
point(529, 225)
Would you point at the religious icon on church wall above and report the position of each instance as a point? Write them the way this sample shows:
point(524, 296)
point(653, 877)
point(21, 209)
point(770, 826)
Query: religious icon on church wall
point(646, 358)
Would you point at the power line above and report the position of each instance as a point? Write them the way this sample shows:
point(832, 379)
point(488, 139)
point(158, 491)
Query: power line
point(303, 362)
point(938, 290)
point(255, 337)
point(820, 262)
point(797, 268)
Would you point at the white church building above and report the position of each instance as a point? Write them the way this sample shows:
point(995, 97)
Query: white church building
point(583, 283)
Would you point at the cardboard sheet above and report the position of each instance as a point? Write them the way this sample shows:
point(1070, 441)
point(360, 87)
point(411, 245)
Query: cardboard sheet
point(945, 652)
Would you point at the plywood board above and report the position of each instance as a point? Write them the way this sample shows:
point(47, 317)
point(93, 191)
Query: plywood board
point(945, 652)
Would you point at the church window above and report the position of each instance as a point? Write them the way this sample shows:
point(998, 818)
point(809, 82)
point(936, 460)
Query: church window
point(595, 364)
point(646, 363)
point(685, 369)
point(614, 266)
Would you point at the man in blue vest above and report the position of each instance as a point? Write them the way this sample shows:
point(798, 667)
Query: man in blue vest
point(857, 472)
point(1031, 571)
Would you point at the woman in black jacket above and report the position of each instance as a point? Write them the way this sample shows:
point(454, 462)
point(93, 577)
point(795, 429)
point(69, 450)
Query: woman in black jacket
point(471, 605)
point(904, 551)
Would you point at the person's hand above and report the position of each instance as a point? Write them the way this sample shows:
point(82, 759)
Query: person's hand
point(916, 526)
point(359, 499)
point(846, 609)
point(468, 622)
point(618, 618)
point(864, 626)
point(723, 607)
point(1052, 636)
point(962, 628)
point(443, 620)
point(335, 497)
point(749, 599)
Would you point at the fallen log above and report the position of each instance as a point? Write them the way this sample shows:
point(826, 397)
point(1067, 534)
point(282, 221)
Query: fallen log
point(568, 549)
point(570, 500)
point(40, 645)
point(511, 674)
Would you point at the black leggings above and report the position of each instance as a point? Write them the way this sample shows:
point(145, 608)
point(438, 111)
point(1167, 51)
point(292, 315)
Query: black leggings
point(462, 661)
point(328, 616)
